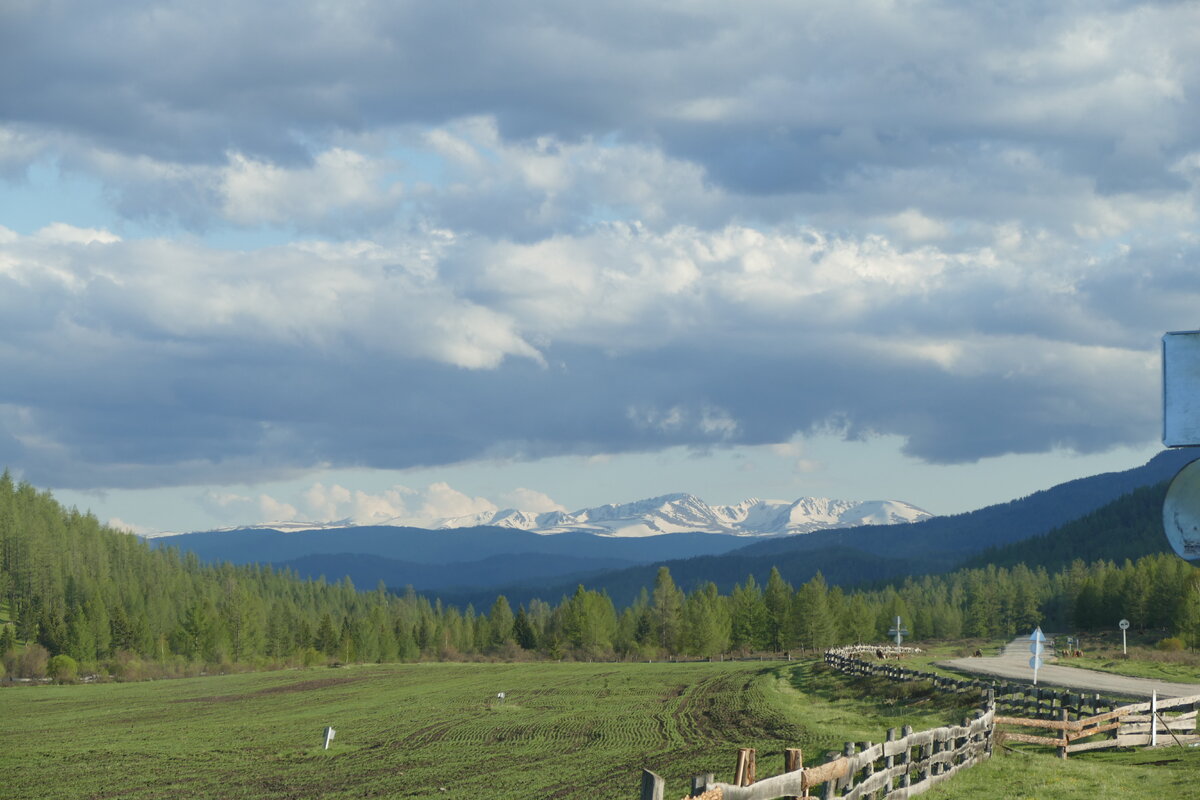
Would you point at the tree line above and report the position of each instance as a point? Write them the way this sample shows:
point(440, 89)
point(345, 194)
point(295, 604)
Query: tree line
point(71, 587)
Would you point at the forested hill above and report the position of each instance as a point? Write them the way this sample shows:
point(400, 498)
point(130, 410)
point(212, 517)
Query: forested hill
point(79, 588)
point(1127, 528)
point(81, 594)
point(856, 556)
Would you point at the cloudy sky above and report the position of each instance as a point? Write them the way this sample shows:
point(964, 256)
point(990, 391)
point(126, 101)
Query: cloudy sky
point(372, 259)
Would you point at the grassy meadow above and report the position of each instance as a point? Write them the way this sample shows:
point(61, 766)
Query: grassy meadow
point(565, 730)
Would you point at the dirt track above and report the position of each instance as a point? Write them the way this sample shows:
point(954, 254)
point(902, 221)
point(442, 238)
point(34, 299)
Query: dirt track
point(1013, 662)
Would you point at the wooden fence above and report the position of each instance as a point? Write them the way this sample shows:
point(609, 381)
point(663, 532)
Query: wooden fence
point(900, 767)
point(906, 765)
point(1167, 721)
point(1031, 701)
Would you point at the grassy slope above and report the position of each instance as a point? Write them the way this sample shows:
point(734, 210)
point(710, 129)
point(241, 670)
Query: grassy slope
point(566, 730)
point(1162, 772)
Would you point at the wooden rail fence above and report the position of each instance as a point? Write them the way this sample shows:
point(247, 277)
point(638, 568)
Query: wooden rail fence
point(1167, 721)
point(900, 767)
point(906, 765)
point(1031, 701)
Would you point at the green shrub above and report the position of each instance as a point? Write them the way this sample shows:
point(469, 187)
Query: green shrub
point(63, 669)
point(31, 663)
point(1172, 644)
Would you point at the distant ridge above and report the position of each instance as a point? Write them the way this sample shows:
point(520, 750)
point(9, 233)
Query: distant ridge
point(678, 513)
point(872, 553)
point(655, 516)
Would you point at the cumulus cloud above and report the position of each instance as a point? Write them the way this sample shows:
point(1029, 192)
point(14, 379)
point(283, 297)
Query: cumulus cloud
point(557, 230)
point(531, 500)
point(240, 508)
point(334, 354)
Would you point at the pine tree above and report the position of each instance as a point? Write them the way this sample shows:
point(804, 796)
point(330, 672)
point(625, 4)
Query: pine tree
point(815, 629)
point(748, 617)
point(778, 601)
point(668, 611)
point(522, 631)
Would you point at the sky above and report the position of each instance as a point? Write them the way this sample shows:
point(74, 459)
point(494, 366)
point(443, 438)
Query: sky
point(379, 260)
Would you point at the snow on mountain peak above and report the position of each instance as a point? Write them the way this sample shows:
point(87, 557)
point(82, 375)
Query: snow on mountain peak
point(681, 512)
point(668, 513)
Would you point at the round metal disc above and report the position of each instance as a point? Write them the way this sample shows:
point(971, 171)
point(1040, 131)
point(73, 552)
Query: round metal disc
point(1181, 512)
point(1123, 624)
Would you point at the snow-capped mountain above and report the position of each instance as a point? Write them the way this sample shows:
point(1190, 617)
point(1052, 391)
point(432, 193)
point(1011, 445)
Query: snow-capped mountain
point(671, 513)
point(677, 513)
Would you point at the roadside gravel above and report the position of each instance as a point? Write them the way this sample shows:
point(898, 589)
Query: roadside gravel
point(1013, 663)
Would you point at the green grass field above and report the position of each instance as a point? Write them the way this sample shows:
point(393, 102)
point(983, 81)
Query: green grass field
point(564, 731)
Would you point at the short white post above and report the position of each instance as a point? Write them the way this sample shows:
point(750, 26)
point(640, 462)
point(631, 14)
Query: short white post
point(329, 734)
point(1154, 719)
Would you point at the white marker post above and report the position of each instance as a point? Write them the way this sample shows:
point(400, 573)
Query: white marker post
point(1037, 638)
point(1124, 626)
point(899, 631)
point(329, 734)
point(501, 696)
point(1154, 719)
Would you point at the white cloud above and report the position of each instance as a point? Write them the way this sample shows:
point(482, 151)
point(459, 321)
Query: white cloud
point(256, 192)
point(531, 500)
point(128, 527)
point(246, 509)
point(272, 510)
point(654, 224)
point(440, 500)
point(62, 233)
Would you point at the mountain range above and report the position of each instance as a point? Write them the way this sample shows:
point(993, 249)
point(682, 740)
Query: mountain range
point(618, 548)
point(655, 516)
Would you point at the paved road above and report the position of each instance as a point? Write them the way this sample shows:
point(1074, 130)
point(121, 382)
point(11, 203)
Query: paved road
point(1013, 662)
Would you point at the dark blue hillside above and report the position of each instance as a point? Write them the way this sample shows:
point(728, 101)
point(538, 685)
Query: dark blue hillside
point(418, 546)
point(366, 571)
point(853, 556)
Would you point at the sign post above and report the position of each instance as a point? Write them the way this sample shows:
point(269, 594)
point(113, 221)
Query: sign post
point(1181, 428)
point(899, 631)
point(329, 734)
point(1037, 646)
point(1124, 626)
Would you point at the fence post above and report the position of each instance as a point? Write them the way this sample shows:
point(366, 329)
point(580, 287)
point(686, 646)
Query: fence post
point(1154, 719)
point(700, 783)
point(793, 760)
point(847, 783)
point(744, 774)
point(652, 786)
point(906, 759)
point(1062, 748)
point(889, 762)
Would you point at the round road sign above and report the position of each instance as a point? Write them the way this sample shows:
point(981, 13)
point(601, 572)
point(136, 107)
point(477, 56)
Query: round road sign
point(1181, 513)
point(1123, 624)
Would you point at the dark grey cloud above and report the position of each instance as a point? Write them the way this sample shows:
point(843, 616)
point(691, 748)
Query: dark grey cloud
point(210, 376)
point(538, 229)
point(767, 98)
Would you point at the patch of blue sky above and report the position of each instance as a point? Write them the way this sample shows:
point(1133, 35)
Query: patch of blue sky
point(246, 239)
point(821, 465)
point(604, 213)
point(47, 195)
point(416, 165)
